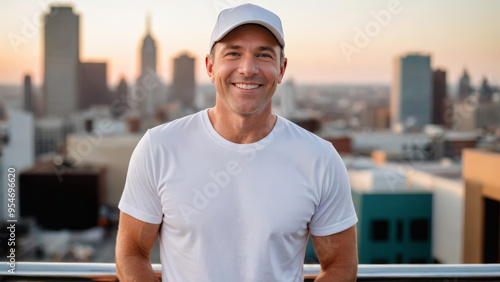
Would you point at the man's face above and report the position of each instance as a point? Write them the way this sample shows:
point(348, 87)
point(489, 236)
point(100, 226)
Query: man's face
point(245, 68)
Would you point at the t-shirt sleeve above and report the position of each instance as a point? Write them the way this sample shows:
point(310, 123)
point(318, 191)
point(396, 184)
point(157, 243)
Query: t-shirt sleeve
point(335, 212)
point(140, 198)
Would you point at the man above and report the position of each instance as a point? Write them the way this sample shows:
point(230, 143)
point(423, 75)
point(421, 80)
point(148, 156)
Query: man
point(237, 189)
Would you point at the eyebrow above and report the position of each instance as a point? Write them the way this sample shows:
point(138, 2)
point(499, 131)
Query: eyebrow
point(260, 48)
point(230, 47)
point(267, 48)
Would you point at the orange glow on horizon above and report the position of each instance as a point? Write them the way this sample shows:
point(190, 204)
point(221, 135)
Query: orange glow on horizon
point(457, 35)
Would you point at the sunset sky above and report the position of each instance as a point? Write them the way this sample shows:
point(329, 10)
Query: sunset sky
point(457, 33)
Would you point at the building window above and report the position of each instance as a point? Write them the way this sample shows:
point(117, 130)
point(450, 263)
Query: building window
point(419, 230)
point(419, 261)
point(399, 258)
point(380, 230)
point(491, 231)
point(380, 261)
point(400, 230)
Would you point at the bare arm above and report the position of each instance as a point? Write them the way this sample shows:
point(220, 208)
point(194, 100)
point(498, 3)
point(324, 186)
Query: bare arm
point(134, 242)
point(338, 256)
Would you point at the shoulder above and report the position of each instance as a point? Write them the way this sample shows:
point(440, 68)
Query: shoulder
point(305, 140)
point(176, 129)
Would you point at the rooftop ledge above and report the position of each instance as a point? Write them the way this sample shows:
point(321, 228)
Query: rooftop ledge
point(106, 271)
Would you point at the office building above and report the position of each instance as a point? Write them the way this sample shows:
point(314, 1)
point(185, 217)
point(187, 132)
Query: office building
point(50, 133)
point(395, 224)
point(120, 104)
point(62, 61)
point(374, 117)
point(487, 115)
point(28, 94)
point(444, 181)
point(465, 205)
point(148, 51)
point(481, 206)
point(439, 97)
point(486, 91)
point(61, 197)
point(94, 88)
point(183, 83)
point(411, 95)
point(148, 86)
point(464, 87)
point(464, 116)
point(394, 144)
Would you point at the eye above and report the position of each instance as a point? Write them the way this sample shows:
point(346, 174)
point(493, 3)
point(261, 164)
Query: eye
point(232, 54)
point(264, 55)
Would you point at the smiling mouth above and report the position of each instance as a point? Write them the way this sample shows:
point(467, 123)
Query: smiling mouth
point(246, 86)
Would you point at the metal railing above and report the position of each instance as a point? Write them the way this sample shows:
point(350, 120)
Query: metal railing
point(41, 271)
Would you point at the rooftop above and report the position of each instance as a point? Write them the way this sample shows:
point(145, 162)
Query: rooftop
point(106, 272)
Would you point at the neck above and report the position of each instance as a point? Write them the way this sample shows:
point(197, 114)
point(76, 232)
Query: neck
point(240, 128)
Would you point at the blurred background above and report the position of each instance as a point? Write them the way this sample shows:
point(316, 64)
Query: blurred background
point(406, 91)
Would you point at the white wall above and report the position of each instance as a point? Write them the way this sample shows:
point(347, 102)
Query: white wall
point(447, 213)
point(386, 141)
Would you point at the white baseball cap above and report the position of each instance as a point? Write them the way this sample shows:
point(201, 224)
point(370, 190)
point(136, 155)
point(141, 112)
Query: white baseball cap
point(232, 18)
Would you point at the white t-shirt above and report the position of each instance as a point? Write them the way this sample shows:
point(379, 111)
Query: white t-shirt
point(236, 212)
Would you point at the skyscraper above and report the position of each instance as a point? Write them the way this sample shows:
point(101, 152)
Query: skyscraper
point(28, 93)
point(148, 51)
point(183, 84)
point(486, 91)
point(148, 84)
point(438, 97)
point(464, 87)
point(411, 94)
point(62, 61)
point(94, 88)
point(120, 105)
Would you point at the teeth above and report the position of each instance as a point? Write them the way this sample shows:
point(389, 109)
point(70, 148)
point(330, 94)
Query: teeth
point(246, 86)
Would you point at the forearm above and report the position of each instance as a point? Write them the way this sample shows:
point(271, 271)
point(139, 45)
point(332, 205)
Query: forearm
point(134, 268)
point(134, 242)
point(338, 273)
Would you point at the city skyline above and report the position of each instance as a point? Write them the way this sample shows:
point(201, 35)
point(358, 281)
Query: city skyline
point(345, 42)
point(379, 80)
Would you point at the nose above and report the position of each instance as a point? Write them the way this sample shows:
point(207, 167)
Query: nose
point(248, 66)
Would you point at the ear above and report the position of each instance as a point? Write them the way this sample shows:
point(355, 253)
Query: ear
point(282, 70)
point(210, 70)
